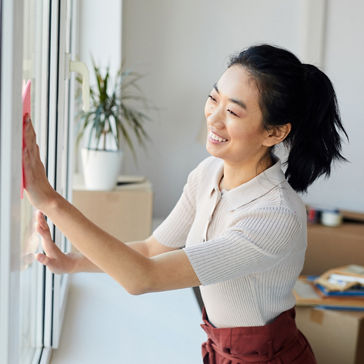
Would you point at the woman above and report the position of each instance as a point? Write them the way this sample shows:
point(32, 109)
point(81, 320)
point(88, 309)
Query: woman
point(240, 222)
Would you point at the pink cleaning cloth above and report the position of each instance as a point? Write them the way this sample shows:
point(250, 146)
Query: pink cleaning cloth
point(26, 113)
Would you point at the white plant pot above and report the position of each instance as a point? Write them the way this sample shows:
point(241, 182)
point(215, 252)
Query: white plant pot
point(101, 168)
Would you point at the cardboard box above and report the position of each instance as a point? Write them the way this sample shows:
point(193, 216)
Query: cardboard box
point(330, 247)
point(124, 212)
point(336, 337)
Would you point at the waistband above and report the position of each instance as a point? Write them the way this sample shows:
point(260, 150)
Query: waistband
point(253, 342)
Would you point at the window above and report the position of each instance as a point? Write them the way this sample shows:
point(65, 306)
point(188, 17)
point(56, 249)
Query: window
point(36, 44)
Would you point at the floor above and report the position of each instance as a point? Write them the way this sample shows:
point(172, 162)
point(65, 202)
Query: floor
point(104, 324)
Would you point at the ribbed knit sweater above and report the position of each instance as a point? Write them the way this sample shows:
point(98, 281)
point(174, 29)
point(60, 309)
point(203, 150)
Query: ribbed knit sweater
point(247, 245)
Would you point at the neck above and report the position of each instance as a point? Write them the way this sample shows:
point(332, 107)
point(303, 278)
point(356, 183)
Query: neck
point(235, 175)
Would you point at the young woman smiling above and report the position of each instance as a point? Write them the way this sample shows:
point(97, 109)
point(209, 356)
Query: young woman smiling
point(238, 230)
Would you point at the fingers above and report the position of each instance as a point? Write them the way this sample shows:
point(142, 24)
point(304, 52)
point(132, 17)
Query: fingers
point(31, 146)
point(55, 260)
point(37, 150)
point(37, 187)
point(48, 262)
point(41, 224)
point(42, 259)
point(50, 248)
point(57, 266)
point(30, 138)
point(29, 131)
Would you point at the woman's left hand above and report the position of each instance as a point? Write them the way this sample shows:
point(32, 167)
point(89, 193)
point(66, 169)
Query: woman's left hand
point(39, 192)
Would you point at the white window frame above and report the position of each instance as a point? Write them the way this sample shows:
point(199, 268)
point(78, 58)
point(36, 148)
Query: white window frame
point(11, 81)
point(56, 142)
point(60, 166)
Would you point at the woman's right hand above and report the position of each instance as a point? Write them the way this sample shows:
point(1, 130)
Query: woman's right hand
point(56, 261)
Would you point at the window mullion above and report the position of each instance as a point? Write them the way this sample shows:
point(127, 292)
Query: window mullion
point(10, 151)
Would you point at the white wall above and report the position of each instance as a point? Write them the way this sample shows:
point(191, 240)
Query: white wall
point(99, 27)
point(344, 64)
point(100, 24)
point(183, 47)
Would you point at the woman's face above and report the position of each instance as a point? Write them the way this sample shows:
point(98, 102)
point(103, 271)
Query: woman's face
point(233, 114)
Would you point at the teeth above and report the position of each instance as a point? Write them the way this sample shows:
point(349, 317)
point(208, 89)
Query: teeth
point(215, 137)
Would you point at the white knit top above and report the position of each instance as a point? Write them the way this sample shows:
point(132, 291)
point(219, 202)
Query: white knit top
point(247, 247)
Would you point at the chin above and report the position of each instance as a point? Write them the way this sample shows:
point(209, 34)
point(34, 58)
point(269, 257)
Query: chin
point(213, 152)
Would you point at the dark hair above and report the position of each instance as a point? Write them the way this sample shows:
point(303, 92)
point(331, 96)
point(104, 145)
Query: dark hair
point(300, 94)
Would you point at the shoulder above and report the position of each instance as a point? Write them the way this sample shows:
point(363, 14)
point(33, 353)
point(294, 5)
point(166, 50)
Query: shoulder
point(209, 163)
point(284, 200)
point(206, 167)
point(291, 200)
point(274, 228)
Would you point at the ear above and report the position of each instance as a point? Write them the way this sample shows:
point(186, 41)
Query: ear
point(277, 134)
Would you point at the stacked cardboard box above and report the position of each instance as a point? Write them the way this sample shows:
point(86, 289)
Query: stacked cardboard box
point(124, 212)
point(336, 337)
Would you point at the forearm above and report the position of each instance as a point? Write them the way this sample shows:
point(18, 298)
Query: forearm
point(82, 264)
point(127, 266)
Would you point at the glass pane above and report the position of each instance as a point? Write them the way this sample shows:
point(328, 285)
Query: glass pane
point(34, 64)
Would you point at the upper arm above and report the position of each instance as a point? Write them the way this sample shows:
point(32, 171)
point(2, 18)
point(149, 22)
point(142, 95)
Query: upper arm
point(168, 268)
point(171, 270)
point(154, 247)
point(257, 243)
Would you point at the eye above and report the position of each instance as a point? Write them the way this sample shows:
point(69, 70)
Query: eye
point(210, 97)
point(231, 112)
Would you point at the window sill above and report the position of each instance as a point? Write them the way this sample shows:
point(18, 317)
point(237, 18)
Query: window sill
point(103, 323)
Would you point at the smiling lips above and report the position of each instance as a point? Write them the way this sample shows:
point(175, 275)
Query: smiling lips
point(215, 138)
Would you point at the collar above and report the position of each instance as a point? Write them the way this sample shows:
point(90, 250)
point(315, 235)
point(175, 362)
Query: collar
point(251, 190)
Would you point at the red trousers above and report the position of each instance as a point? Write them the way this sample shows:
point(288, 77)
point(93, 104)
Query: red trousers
point(279, 342)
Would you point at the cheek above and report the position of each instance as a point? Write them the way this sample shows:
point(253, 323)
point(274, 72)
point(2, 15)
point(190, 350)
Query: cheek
point(243, 132)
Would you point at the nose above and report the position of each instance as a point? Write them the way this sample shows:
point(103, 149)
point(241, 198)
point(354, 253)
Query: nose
point(216, 119)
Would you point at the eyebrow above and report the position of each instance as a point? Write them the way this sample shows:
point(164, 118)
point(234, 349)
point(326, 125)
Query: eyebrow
point(235, 101)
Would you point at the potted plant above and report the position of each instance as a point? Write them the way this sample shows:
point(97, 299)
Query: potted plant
point(109, 122)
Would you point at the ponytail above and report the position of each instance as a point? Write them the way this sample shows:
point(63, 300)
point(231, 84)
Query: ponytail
point(300, 94)
point(314, 142)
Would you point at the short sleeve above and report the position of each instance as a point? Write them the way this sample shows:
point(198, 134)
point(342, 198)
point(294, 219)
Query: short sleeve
point(174, 229)
point(256, 243)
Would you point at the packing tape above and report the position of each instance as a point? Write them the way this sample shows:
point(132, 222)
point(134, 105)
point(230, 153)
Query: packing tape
point(317, 316)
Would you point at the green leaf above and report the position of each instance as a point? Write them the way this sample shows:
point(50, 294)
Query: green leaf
point(111, 106)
